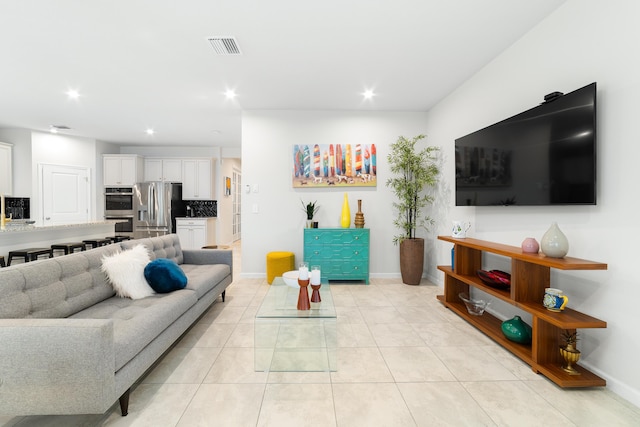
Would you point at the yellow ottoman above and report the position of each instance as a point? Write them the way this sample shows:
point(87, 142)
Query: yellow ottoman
point(278, 263)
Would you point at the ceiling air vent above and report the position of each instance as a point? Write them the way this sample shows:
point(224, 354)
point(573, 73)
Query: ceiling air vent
point(224, 45)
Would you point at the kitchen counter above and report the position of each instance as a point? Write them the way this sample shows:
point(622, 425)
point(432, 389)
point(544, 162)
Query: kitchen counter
point(20, 236)
point(196, 232)
point(21, 226)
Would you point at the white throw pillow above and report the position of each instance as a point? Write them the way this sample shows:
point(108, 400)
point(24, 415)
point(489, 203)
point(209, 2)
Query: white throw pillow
point(125, 270)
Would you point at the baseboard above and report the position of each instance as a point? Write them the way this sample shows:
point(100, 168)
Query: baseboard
point(621, 389)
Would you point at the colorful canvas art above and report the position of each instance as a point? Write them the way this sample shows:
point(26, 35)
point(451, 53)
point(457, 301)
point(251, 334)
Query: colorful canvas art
point(340, 165)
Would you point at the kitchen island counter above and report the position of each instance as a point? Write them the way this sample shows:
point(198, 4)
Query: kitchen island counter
point(20, 236)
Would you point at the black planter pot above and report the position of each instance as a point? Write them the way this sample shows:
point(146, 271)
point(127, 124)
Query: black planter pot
point(411, 260)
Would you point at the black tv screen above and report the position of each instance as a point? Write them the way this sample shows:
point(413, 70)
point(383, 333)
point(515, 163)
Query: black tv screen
point(543, 156)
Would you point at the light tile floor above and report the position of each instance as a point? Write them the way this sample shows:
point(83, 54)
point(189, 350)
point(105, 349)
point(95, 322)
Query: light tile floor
point(403, 360)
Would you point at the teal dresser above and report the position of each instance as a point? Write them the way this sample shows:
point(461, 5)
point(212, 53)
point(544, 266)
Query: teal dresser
point(341, 253)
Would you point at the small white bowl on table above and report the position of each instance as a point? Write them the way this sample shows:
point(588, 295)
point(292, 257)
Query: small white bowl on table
point(291, 278)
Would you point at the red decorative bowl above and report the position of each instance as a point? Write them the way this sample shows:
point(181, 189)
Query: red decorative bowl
point(495, 278)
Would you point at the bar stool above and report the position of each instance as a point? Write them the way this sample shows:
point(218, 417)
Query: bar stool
point(2, 264)
point(118, 238)
point(68, 248)
point(30, 254)
point(94, 243)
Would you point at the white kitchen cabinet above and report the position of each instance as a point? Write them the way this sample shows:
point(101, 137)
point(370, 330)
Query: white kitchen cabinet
point(122, 169)
point(194, 233)
point(169, 170)
point(197, 179)
point(6, 171)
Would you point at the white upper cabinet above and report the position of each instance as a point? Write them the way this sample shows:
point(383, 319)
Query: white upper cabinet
point(169, 170)
point(197, 179)
point(122, 169)
point(6, 171)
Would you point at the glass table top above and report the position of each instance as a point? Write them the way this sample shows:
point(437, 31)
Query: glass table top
point(281, 302)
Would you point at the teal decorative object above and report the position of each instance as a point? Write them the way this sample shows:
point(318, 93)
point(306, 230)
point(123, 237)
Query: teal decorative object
point(516, 330)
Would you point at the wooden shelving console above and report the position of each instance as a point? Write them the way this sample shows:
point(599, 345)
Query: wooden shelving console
point(530, 275)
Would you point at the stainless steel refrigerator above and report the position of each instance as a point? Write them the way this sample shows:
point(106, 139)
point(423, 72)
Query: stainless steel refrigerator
point(155, 208)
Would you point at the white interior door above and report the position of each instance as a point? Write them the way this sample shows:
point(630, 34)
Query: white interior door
point(237, 204)
point(65, 194)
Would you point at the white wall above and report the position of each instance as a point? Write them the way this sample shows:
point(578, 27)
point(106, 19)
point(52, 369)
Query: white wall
point(583, 41)
point(267, 161)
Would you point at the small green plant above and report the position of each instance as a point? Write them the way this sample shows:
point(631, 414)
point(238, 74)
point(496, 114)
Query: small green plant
point(310, 209)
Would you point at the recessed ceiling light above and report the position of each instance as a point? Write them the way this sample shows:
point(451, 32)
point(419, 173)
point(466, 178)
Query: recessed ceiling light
point(368, 94)
point(73, 94)
point(150, 131)
point(230, 94)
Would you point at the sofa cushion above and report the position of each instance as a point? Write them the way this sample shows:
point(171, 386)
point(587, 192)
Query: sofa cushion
point(164, 275)
point(167, 246)
point(204, 277)
point(55, 287)
point(125, 270)
point(138, 322)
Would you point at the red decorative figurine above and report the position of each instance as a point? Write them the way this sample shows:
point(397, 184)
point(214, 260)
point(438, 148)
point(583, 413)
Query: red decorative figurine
point(303, 296)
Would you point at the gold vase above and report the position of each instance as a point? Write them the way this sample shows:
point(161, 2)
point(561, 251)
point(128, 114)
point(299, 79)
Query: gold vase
point(345, 217)
point(359, 222)
point(571, 355)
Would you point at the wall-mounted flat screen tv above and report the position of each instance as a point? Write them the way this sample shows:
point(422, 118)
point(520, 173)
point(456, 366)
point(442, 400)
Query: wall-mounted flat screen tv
point(543, 156)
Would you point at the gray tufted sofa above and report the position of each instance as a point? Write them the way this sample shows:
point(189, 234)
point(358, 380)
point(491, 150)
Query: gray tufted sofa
point(69, 345)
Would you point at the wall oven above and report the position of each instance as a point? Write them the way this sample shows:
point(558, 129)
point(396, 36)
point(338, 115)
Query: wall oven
point(118, 206)
point(118, 200)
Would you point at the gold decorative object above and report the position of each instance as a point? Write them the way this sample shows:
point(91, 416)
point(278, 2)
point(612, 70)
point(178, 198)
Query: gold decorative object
point(570, 353)
point(3, 218)
point(359, 222)
point(571, 356)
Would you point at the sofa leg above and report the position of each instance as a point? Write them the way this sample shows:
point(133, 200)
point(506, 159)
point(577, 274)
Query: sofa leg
point(124, 403)
point(223, 294)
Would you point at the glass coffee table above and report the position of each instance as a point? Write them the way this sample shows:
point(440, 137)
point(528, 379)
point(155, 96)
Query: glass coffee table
point(292, 340)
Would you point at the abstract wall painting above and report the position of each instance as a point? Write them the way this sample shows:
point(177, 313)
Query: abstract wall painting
point(334, 165)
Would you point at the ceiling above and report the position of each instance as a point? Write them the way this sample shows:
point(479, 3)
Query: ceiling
point(148, 63)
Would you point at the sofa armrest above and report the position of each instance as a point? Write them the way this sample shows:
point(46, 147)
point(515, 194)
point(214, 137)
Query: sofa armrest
point(56, 366)
point(208, 256)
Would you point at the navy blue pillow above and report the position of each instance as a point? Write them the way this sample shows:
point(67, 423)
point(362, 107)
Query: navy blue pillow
point(164, 275)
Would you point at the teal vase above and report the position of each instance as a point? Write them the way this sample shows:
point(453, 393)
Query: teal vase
point(516, 330)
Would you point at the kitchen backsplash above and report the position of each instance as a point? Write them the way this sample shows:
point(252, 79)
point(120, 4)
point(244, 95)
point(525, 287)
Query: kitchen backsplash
point(203, 208)
point(17, 208)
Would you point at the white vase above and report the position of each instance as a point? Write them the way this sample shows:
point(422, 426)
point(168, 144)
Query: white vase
point(554, 243)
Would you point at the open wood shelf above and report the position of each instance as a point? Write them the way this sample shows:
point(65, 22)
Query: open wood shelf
point(514, 252)
point(490, 326)
point(556, 374)
point(530, 275)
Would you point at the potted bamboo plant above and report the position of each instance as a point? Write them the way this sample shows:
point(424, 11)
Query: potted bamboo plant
point(413, 173)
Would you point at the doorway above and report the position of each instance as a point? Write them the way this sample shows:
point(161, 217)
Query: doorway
point(237, 204)
point(64, 194)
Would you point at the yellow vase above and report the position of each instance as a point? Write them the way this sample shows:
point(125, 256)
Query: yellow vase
point(345, 218)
